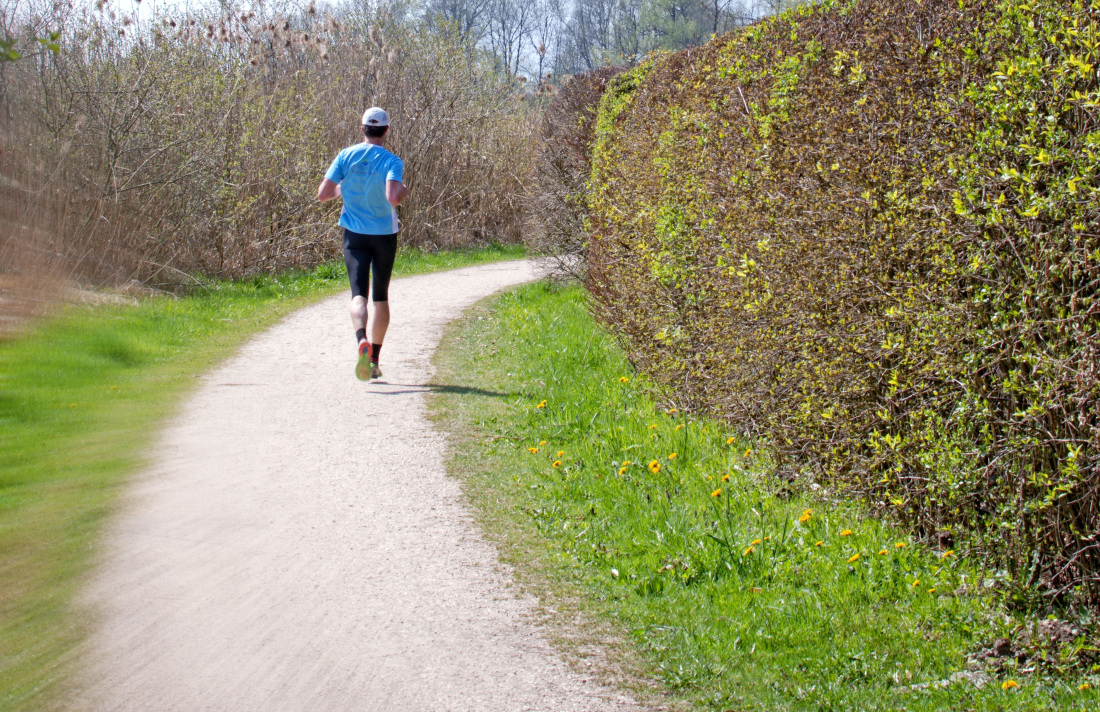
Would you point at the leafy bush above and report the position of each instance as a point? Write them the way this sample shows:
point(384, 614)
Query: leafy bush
point(867, 231)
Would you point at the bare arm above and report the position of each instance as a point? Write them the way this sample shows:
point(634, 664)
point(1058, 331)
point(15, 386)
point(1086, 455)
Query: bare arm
point(395, 192)
point(327, 191)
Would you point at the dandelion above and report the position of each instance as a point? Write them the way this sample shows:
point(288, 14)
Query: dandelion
point(916, 583)
point(754, 542)
point(654, 467)
point(882, 553)
point(853, 558)
point(716, 493)
point(900, 545)
point(820, 543)
point(672, 456)
point(627, 463)
point(541, 405)
point(622, 471)
point(532, 450)
point(748, 451)
point(556, 464)
point(652, 426)
point(725, 478)
point(931, 590)
point(1083, 686)
point(624, 379)
point(1009, 685)
point(679, 426)
point(947, 553)
point(748, 551)
point(805, 516)
point(729, 441)
point(671, 411)
point(541, 443)
point(846, 532)
point(560, 453)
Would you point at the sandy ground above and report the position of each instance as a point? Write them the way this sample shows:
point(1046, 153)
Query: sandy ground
point(297, 545)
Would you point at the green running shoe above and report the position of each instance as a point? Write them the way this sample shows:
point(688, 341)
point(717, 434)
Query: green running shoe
point(363, 367)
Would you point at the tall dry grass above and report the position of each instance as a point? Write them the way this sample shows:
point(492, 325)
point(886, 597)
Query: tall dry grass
point(191, 146)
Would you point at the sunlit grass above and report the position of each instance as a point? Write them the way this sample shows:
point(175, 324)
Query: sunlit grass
point(81, 397)
point(738, 593)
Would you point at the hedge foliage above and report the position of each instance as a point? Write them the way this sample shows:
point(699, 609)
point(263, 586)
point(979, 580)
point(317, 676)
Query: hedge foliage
point(867, 232)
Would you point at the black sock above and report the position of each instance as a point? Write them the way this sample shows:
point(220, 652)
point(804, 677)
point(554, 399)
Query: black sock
point(375, 349)
point(360, 335)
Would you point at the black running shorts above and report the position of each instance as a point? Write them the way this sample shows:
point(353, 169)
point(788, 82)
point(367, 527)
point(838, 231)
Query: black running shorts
point(364, 254)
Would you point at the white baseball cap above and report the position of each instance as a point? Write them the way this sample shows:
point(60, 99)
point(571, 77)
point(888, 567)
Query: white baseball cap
point(375, 116)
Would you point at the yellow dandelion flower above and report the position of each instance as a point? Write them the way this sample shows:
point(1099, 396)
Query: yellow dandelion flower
point(729, 441)
point(716, 493)
point(624, 379)
point(805, 516)
point(916, 583)
point(947, 553)
point(725, 478)
point(654, 467)
point(622, 471)
point(846, 532)
point(931, 590)
point(541, 443)
point(627, 463)
point(748, 452)
point(748, 551)
point(820, 543)
point(671, 411)
point(532, 450)
point(754, 542)
point(679, 426)
point(557, 464)
point(560, 453)
point(900, 545)
point(652, 426)
point(1009, 685)
point(1083, 686)
point(882, 553)
point(672, 456)
point(541, 405)
point(853, 558)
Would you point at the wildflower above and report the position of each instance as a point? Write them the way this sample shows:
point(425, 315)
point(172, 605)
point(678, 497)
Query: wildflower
point(672, 456)
point(541, 405)
point(729, 441)
point(748, 451)
point(820, 543)
point(671, 411)
point(846, 532)
point(1009, 685)
point(624, 379)
point(916, 583)
point(541, 443)
point(679, 426)
point(652, 426)
point(560, 453)
point(882, 553)
point(900, 545)
point(532, 450)
point(931, 590)
point(622, 471)
point(726, 478)
point(557, 464)
point(754, 542)
point(627, 463)
point(805, 516)
point(654, 467)
point(716, 493)
point(1083, 686)
point(748, 551)
point(853, 558)
point(947, 553)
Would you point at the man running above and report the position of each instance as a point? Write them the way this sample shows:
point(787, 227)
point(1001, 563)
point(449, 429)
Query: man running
point(368, 178)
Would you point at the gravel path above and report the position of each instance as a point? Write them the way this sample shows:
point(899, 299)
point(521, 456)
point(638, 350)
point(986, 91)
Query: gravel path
point(297, 545)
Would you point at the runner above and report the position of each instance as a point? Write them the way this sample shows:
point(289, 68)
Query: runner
point(368, 179)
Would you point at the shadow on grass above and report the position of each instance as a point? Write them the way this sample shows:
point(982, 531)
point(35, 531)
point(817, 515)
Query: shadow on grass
point(407, 388)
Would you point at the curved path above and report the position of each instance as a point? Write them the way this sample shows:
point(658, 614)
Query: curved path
point(297, 545)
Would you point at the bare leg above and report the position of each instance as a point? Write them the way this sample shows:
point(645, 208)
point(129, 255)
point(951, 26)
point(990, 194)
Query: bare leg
point(358, 311)
point(381, 321)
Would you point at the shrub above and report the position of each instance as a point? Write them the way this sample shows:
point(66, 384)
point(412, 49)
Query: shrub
point(866, 231)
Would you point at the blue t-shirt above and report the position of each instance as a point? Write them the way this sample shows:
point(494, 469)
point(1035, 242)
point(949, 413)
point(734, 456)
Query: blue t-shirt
point(362, 171)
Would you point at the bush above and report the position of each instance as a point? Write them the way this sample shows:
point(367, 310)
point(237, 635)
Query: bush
point(557, 188)
point(867, 232)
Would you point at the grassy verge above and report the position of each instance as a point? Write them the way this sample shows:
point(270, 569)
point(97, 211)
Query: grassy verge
point(80, 396)
point(731, 591)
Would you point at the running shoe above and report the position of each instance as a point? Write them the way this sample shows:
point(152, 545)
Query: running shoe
point(364, 367)
point(375, 372)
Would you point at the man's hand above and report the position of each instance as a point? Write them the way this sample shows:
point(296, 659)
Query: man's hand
point(395, 192)
point(328, 190)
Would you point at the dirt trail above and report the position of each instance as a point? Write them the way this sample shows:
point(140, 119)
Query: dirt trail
point(296, 544)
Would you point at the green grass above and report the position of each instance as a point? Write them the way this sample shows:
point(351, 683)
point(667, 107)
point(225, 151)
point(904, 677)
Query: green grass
point(81, 395)
point(716, 588)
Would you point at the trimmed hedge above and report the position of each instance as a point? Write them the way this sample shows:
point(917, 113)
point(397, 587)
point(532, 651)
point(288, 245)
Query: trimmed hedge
point(867, 232)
